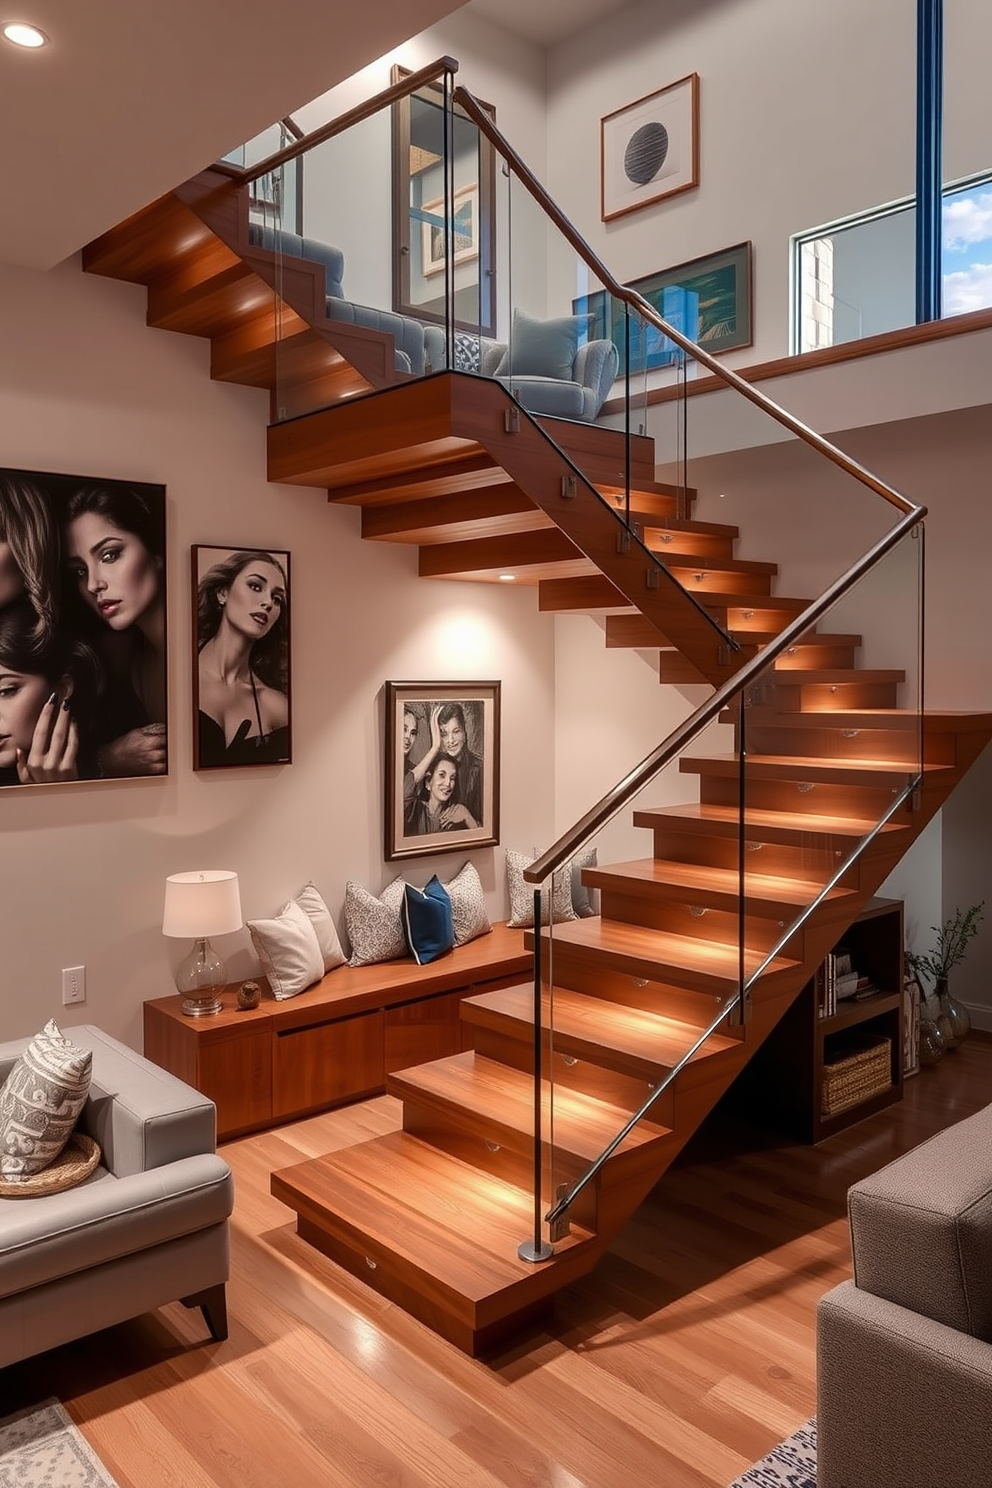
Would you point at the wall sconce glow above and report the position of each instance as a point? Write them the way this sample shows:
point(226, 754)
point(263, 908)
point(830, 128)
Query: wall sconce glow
point(23, 35)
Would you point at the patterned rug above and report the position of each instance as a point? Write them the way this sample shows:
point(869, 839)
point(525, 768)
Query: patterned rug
point(41, 1448)
point(792, 1464)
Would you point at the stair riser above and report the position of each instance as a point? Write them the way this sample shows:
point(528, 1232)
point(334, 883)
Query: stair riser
point(509, 1165)
point(864, 802)
point(714, 581)
point(210, 308)
point(806, 658)
point(900, 746)
point(828, 697)
point(696, 544)
point(810, 862)
point(742, 619)
point(512, 1044)
point(718, 925)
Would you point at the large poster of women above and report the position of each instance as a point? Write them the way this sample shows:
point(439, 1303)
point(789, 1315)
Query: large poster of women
point(441, 767)
point(241, 687)
point(82, 628)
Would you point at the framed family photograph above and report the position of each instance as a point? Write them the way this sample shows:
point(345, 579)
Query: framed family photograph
point(241, 657)
point(441, 767)
point(83, 665)
point(650, 148)
point(708, 299)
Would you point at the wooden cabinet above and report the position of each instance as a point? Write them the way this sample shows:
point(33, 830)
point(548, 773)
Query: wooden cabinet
point(783, 1086)
point(334, 1043)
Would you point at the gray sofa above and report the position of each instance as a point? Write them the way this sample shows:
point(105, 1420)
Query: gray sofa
point(149, 1226)
point(904, 1352)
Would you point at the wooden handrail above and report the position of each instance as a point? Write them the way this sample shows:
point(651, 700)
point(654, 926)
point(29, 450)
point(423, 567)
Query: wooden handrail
point(343, 122)
point(641, 775)
point(643, 308)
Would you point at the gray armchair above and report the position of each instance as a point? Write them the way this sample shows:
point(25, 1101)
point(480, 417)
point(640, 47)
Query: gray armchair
point(904, 1352)
point(149, 1226)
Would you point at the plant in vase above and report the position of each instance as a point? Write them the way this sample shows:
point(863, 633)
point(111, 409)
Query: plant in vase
point(937, 964)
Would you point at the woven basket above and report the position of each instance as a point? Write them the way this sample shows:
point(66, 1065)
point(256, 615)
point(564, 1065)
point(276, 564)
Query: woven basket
point(856, 1076)
point(75, 1162)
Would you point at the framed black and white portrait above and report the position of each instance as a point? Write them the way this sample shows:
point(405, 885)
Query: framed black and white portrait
point(83, 665)
point(241, 661)
point(441, 767)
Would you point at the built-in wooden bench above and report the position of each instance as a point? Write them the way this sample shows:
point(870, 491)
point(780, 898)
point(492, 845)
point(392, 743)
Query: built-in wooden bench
point(334, 1043)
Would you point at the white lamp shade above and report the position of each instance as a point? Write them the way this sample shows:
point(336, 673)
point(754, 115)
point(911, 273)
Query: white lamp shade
point(207, 902)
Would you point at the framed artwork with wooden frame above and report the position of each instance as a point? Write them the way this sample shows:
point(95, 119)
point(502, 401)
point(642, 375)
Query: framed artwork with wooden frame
point(650, 148)
point(241, 657)
point(419, 191)
point(441, 775)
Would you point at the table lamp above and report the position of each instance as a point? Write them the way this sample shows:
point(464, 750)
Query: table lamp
point(198, 905)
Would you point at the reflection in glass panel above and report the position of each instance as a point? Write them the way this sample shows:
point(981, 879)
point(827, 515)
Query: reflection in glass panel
point(967, 248)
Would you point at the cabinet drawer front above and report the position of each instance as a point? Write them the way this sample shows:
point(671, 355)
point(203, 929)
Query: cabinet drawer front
point(326, 1063)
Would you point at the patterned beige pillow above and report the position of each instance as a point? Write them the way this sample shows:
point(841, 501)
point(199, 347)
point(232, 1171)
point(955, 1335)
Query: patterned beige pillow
point(375, 926)
point(556, 905)
point(468, 905)
point(40, 1102)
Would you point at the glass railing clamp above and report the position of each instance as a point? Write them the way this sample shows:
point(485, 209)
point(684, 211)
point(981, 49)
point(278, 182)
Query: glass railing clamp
point(511, 421)
point(569, 489)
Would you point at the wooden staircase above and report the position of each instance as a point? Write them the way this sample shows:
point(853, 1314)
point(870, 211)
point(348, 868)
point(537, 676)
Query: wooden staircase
point(431, 1216)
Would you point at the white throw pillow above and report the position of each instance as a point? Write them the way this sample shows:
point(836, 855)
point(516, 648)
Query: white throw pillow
point(468, 905)
point(40, 1102)
point(310, 901)
point(289, 951)
point(556, 906)
point(375, 926)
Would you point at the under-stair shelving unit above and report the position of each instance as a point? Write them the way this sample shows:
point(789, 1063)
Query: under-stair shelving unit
point(431, 1216)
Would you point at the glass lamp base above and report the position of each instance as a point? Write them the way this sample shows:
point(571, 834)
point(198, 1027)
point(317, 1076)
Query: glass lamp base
point(200, 978)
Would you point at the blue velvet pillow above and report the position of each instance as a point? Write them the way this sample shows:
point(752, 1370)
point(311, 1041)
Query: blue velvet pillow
point(427, 921)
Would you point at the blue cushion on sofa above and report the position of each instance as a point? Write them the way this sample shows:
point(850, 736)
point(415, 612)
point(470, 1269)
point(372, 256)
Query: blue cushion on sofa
point(427, 921)
point(542, 348)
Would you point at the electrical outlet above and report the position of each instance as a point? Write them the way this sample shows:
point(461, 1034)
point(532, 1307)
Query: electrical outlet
point(73, 984)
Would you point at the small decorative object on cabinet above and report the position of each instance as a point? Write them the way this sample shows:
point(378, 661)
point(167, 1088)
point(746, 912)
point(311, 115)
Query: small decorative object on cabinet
point(835, 1058)
point(249, 995)
point(937, 964)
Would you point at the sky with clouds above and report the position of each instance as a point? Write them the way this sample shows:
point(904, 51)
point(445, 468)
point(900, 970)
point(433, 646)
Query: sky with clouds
point(967, 251)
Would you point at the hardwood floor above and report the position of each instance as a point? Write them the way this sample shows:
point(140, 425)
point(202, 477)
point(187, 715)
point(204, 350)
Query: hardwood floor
point(687, 1354)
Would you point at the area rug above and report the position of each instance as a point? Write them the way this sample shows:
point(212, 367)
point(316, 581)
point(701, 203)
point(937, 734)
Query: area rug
point(41, 1448)
point(792, 1464)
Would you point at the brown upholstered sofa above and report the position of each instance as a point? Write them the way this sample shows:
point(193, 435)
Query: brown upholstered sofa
point(904, 1352)
point(149, 1226)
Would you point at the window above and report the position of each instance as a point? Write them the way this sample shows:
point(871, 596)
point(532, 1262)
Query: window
point(856, 277)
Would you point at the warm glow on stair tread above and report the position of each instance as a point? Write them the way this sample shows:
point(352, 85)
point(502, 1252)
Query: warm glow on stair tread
point(798, 762)
point(413, 1200)
point(793, 823)
point(673, 952)
point(694, 876)
point(504, 1098)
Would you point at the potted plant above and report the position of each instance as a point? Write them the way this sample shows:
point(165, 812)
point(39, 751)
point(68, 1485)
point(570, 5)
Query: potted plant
point(938, 963)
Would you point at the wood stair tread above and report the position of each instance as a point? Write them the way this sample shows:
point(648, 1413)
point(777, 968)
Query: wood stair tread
point(501, 1101)
point(801, 767)
point(403, 1197)
point(781, 826)
point(840, 676)
point(663, 956)
point(708, 564)
point(718, 886)
point(610, 1033)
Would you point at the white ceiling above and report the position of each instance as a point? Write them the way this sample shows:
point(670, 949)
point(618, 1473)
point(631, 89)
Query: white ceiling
point(133, 96)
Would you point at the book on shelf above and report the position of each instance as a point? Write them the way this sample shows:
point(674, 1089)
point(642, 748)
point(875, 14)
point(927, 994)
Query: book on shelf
point(837, 980)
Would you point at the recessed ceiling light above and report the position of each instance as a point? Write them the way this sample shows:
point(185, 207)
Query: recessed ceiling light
point(23, 35)
point(507, 578)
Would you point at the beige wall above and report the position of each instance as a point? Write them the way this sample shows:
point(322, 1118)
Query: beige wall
point(86, 387)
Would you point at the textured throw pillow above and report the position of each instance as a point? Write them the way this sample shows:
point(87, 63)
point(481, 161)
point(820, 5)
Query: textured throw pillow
point(40, 1102)
point(427, 921)
point(375, 927)
point(468, 905)
point(585, 901)
point(468, 355)
point(556, 906)
point(319, 915)
point(542, 348)
point(289, 951)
